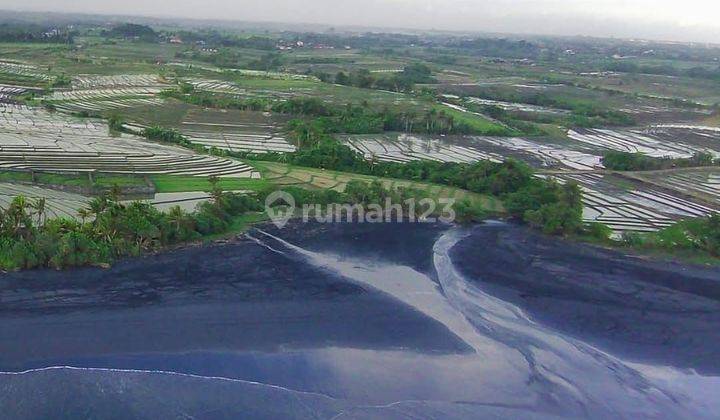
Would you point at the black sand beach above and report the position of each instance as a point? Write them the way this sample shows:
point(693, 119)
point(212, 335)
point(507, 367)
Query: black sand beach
point(369, 321)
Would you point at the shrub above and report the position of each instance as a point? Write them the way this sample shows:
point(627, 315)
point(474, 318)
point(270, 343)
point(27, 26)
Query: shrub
point(563, 216)
point(701, 234)
point(115, 123)
point(466, 212)
point(599, 231)
point(623, 161)
point(167, 135)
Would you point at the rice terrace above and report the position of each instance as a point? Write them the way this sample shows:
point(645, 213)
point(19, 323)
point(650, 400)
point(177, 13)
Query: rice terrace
point(141, 158)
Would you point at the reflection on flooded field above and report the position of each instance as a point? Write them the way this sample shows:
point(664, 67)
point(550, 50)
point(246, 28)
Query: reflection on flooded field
point(635, 207)
point(655, 141)
point(409, 147)
point(635, 202)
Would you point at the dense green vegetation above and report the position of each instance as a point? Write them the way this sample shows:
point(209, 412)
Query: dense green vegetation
point(109, 229)
point(665, 70)
point(546, 205)
point(94, 181)
point(403, 81)
point(554, 208)
point(499, 47)
point(26, 32)
point(369, 194)
point(698, 234)
point(352, 119)
point(582, 113)
point(364, 119)
point(167, 135)
point(170, 135)
point(373, 83)
point(187, 94)
point(115, 123)
point(624, 161)
point(132, 31)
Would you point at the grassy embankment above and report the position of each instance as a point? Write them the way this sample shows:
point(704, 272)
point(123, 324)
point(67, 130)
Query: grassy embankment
point(280, 174)
point(673, 244)
point(274, 174)
point(100, 180)
point(172, 183)
point(162, 183)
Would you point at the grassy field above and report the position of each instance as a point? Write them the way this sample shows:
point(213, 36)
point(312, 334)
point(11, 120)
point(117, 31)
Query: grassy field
point(100, 180)
point(281, 174)
point(171, 183)
point(20, 80)
point(476, 122)
point(163, 183)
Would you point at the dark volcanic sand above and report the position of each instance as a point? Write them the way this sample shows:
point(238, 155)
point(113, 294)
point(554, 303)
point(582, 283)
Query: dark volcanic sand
point(364, 321)
point(234, 296)
point(664, 313)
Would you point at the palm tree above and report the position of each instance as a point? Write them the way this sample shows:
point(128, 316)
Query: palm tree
point(216, 191)
point(441, 119)
point(17, 217)
point(97, 206)
point(40, 206)
point(176, 216)
point(411, 115)
point(20, 203)
point(430, 120)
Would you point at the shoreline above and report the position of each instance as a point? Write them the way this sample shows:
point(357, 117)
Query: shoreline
point(629, 305)
point(688, 258)
point(311, 301)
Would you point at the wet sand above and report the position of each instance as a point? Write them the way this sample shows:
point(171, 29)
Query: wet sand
point(364, 321)
point(238, 296)
point(658, 312)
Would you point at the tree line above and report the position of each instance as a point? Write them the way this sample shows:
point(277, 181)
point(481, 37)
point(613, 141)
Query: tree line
point(625, 161)
point(348, 119)
point(665, 70)
point(543, 203)
point(108, 229)
point(11, 32)
point(696, 234)
point(403, 81)
point(583, 112)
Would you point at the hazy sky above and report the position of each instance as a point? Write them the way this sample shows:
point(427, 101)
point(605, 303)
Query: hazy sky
point(682, 20)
